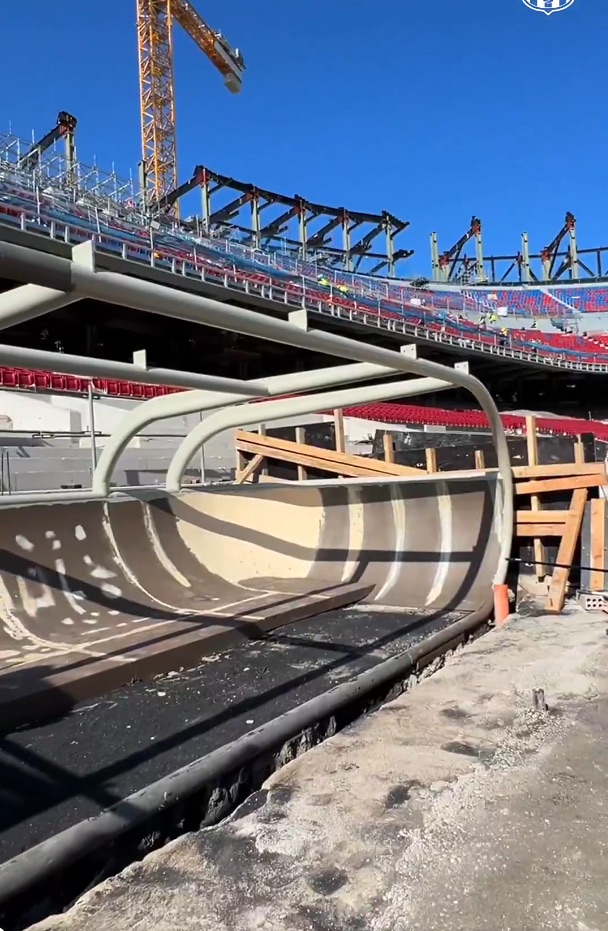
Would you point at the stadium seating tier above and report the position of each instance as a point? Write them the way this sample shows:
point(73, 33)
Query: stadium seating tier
point(452, 316)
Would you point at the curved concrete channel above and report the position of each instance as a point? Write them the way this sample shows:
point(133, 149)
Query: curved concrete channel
point(91, 590)
point(94, 593)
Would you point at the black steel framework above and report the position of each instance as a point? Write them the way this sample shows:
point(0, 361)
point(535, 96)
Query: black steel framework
point(64, 128)
point(332, 237)
point(336, 237)
point(560, 261)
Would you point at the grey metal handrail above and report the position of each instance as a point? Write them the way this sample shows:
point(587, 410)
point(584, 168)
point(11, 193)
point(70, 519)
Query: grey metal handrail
point(189, 402)
point(269, 411)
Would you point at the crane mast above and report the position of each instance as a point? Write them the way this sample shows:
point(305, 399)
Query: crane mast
point(157, 95)
point(157, 86)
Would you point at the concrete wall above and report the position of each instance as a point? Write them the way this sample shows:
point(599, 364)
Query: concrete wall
point(62, 413)
point(37, 451)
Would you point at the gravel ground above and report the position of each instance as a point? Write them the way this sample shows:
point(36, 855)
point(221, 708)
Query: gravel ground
point(457, 807)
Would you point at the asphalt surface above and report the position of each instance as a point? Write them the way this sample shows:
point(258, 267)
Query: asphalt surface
point(57, 774)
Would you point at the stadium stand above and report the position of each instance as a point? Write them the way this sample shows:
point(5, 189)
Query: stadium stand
point(473, 420)
point(118, 228)
point(387, 413)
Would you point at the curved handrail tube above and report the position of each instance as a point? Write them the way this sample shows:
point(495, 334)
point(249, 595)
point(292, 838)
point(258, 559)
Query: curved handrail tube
point(269, 411)
point(192, 402)
point(66, 364)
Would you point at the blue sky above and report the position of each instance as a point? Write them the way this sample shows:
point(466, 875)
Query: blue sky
point(432, 109)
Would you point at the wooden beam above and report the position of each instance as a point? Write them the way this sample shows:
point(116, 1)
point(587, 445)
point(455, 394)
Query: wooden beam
point(339, 430)
point(250, 469)
point(579, 450)
point(536, 479)
point(540, 530)
point(430, 456)
point(272, 480)
point(315, 457)
point(301, 439)
point(389, 447)
point(359, 469)
point(241, 463)
point(542, 517)
point(262, 432)
point(568, 483)
point(540, 554)
point(538, 523)
point(565, 553)
point(559, 470)
point(480, 459)
point(598, 579)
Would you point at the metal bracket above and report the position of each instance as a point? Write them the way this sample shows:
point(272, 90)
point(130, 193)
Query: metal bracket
point(299, 319)
point(83, 255)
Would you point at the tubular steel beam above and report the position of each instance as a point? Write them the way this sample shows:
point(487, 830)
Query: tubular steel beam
point(66, 364)
point(190, 402)
point(267, 411)
point(80, 277)
point(30, 301)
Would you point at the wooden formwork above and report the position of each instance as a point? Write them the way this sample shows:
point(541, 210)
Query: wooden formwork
point(533, 482)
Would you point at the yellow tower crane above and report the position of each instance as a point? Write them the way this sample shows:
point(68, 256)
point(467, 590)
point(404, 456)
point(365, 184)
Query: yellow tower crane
point(156, 84)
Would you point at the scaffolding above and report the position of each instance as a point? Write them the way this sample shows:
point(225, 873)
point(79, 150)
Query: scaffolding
point(266, 224)
point(57, 173)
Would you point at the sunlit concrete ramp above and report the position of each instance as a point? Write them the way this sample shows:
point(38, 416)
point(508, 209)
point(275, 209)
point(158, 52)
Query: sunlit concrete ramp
point(94, 594)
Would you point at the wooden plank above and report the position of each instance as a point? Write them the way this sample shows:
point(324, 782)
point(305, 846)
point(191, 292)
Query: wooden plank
point(532, 439)
point(339, 430)
point(326, 460)
point(579, 450)
point(241, 463)
point(597, 563)
point(389, 447)
point(301, 439)
point(555, 470)
point(250, 469)
point(430, 456)
point(559, 470)
point(272, 480)
point(565, 553)
point(480, 459)
point(286, 449)
point(555, 477)
point(540, 554)
point(568, 483)
point(542, 517)
point(360, 470)
point(262, 432)
point(540, 530)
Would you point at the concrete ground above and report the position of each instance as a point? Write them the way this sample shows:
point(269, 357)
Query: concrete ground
point(457, 807)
